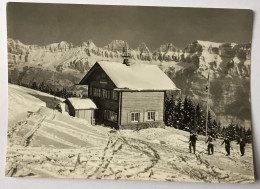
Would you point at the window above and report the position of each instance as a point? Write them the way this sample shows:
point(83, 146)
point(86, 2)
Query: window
point(135, 117)
point(104, 93)
point(103, 82)
point(114, 95)
point(96, 92)
point(110, 115)
point(151, 116)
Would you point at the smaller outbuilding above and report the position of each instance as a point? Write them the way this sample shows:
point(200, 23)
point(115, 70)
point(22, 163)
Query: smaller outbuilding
point(83, 108)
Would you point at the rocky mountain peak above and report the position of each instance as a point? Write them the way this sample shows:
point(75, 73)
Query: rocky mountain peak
point(116, 45)
point(167, 47)
point(143, 48)
point(60, 46)
point(11, 41)
point(16, 46)
point(89, 44)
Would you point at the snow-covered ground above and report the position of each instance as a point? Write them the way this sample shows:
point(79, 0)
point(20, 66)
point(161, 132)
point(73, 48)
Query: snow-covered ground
point(47, 143)
point(23, 101)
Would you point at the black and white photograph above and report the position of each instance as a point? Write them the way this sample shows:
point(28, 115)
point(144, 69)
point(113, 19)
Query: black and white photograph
point(129, 93)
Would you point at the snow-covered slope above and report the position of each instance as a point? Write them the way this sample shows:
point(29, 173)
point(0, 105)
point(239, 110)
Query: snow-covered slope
point(22, 101)
point(50, 144)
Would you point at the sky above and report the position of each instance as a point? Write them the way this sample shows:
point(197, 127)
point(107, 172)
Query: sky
point(41, 24)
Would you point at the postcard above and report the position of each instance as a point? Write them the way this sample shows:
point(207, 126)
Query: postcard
point(129, 92)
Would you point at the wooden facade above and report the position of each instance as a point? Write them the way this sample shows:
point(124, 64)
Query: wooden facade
point(124, 109)
point(101, 90)
point(142, 103)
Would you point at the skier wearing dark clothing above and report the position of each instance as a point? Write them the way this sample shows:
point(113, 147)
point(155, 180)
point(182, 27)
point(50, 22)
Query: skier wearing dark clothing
point(227, 145)
point(210, 145)
point(242, 145)
point(192, 142)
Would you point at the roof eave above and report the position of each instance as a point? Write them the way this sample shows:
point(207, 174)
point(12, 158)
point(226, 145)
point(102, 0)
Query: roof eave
point(85, 108)
point(145, 90)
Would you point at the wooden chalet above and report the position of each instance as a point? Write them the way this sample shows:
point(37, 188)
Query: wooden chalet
point(128, 96)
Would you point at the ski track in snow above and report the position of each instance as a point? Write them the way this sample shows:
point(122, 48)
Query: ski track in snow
point(50, 144)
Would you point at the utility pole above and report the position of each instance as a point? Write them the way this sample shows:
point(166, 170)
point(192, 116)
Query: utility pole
point(207, 111)
point(53, 90)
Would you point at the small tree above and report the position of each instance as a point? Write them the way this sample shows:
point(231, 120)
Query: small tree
point(178, 114)
point(34, 86)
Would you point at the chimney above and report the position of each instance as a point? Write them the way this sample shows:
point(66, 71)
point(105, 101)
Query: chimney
point(125, 55)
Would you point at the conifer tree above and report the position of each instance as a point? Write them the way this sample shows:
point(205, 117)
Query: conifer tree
point(198, 119)
point(42, 87)
point(178, 114)
point(231, 131)
point(249, 137)
point(169, 111)
point(191, 115)
point(47, 89)
point(34, 86)
point(185, 113)
point(210, 129)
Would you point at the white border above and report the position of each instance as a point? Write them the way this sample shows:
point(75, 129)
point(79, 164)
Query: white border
point(20, 183)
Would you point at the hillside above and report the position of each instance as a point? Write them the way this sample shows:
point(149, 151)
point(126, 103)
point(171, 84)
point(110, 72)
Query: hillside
point(20, 103)
point(50, 144)
point(62, 64)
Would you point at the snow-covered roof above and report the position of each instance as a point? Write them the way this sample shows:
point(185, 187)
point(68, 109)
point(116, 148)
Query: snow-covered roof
point(82, 103)
point(137, 76)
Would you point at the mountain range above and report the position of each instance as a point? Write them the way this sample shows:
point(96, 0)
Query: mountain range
point(228, 65)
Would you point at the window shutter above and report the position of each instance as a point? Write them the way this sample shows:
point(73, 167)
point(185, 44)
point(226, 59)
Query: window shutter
point(145, 116)
point(90, 91)
point(129, 118)
point(108, 94)
point(141, 117)
point(156, 116)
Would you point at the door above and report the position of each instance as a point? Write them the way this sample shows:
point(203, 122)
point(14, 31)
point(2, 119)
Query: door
point(93, 120)
point(99, 116)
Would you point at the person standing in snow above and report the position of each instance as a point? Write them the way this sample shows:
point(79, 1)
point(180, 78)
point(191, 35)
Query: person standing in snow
point(192, 142)
point(227, 145)
point(210, 142)
point(242, 145)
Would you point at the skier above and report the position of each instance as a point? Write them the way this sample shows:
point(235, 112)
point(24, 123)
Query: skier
point(242, 145)
point(227, 145)
point(210, 142)
point(192, 142)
